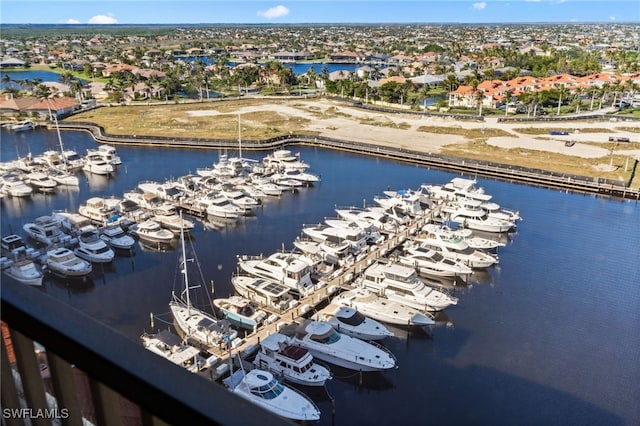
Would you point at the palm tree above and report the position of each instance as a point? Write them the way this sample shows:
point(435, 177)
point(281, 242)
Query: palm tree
point(562, 91)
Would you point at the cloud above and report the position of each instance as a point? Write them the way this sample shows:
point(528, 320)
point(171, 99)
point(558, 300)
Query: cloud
point(274, 12)
point(72, 21)
point(480, 6)
point(612, 18)
point(102, 19)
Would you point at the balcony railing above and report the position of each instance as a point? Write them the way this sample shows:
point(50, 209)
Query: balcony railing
point(118, 374)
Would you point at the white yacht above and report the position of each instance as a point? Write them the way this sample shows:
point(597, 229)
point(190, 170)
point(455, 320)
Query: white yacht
point(349, 321)
point(25, 271)
point(167, 216)
point(96, 164)
point(116, 238)
point(401, 284)
point(62, 177)
point(170, 347)
point(409, 205)
point(265, 185)
point(64, 263)
point(151, 231)
point(294, 363)
point(291, 269)
point(324, 233)
point(41, 181)
point(221, 207)
point(72, 160)
point(240, 311)
point(15, 186)
point(431, 263)
point(264, 292)
point(168, 191)
point(240, 199)
point(282, 159)
point(46, 230)
point(375, 217)
point(453, 248)
point(466, 234)
point(107, 153)
point(372, 234)
point(382, 309)
point(305, 178)
point(99, 211)
point(325, 343)
point(261, 388)
point(22, 126)
point(477, 218)
point(92, 248)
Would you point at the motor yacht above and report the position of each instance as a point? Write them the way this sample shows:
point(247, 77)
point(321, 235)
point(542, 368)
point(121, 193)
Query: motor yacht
point(170, 347)
point(401, 283)
point(41, 181)
point(46, 230)
point(64, 263)
point(476, 218)
point(167, 216)
point(14, 186)
point(431, 263)
point(107, 153)
point(240, 312)
point(453, 248)
point(24, 270)
point(337, 241)
point(294, 363)
point(99, 211)
point(447, 232)
point(291, 269)
point(221, 207)
point(371, 233)
point(167, 191)
point(72, 160)
point(22, 126)
point(325, 343)
point(151, 231)
point(92, 248)
point(349, 321)
point(116, 237)
point(96, 164)
point(305, 178)
point(381, 308)
point(240, 199)
point(372, 217)
point(264, 292)
point(282, 159)
point(260, 387)
point(62, 177)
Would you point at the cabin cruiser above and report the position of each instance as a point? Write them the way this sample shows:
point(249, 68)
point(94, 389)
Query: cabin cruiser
point(64, 263)
point(107, 153)
point(46, 230)
point(375, 217)
point(167, 216)
point(240, 199)
point(72, 160)
point(151, 231)
point(116, 237)
point(62, 177)
point(99, 211)
point(382, 309)
point(92, 248)
point(371, 233)
point(409, 205)
point(318, 252)
point(431, 263)
point(23, 270)
point(305, 178)
point(401, 284)
point(220, 207)
point(167, 191)
point(349, 321)
point(325, 343)
point(281, 159)
point(291, 269)
point(337, 236)
point(22, 126)
point(41, 181)
point(169, 346)
point(261, 388)
point(14, 186)
point(476, 218)
point(264, 292)
point(294, 363)
point(447, 232)
point(453, 248)
point(240, 312)
point(96, 164)
point(265, 185)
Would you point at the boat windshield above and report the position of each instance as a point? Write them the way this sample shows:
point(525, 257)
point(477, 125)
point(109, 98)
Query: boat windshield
point(356, 319)
point(327, 339)
point(269, 391)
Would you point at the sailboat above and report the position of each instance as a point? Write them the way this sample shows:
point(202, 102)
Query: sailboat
point(198, 325)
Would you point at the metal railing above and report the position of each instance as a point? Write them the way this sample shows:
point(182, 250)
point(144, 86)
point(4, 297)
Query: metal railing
point(116, 367)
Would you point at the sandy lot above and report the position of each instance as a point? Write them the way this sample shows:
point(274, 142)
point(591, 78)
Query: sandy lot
point(339, 120)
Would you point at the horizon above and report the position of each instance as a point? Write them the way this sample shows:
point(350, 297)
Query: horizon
point(312, 12)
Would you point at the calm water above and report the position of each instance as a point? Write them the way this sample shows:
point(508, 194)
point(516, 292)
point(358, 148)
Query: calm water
point(550, 336)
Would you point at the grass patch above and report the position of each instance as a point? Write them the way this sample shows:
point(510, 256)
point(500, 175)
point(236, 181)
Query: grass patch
point(468, 133)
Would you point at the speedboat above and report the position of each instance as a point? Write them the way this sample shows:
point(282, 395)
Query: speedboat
point(264, 292)
point(151, 231)
point(382, 309)
point(261, 388)
point(41, 182)
point(240, 311)
point(25, 271)
point(64, 263)
point(169, 346)
point(290, 269)
point(430, 263)
point(92, 248)
point(294, 363)
point(116, 238)
point(349, 321)
point(22, 126)
point(401, 283)
point(324, 342)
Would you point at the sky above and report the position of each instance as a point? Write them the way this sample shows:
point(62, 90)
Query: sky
point(315, 11)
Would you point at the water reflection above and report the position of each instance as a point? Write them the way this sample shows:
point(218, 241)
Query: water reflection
point(71, 286)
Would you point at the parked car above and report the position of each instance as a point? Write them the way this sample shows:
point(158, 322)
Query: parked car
point(618, 139)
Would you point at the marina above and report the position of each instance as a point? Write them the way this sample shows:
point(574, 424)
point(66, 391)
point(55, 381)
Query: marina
point(500, 291)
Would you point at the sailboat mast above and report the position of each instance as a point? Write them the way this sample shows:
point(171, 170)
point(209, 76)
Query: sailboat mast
point(184, 270)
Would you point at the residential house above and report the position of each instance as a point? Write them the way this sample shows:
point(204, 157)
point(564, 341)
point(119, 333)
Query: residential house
point(60, 106)
point(11, 106)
